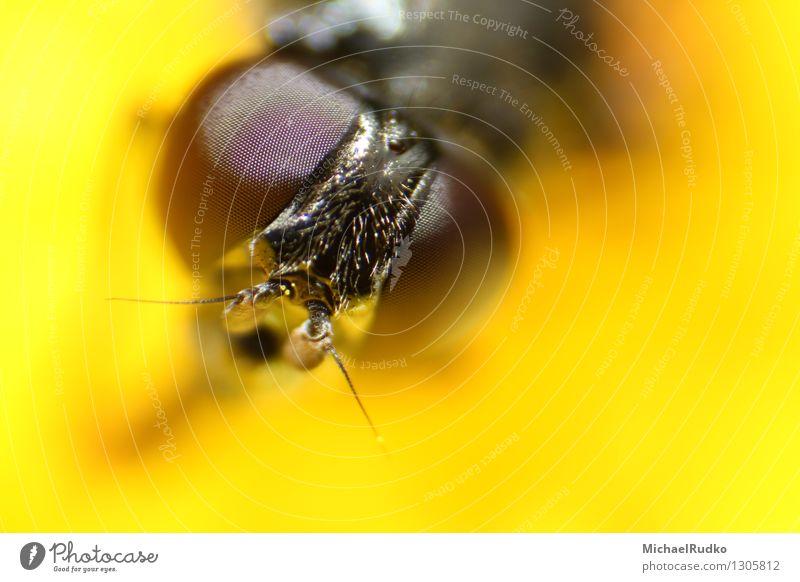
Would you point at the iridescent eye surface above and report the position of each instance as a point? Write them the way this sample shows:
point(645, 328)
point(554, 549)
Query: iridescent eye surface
point(241, 149)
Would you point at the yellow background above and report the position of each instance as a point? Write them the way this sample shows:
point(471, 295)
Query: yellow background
point(651, 386)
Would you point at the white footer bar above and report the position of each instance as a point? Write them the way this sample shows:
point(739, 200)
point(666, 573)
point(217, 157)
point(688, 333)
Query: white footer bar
point(400, 557)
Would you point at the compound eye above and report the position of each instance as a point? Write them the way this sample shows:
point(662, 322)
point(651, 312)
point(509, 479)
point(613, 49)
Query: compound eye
point(241, 149)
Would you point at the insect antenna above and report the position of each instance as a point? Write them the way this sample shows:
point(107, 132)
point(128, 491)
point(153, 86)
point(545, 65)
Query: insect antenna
point(332, 351)
point(222, 299)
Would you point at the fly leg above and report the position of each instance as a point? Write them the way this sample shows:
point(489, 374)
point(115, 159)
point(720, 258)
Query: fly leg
point(312, 340)
point(242, 314)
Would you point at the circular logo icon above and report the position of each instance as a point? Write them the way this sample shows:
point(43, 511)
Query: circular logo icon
point(31, 555)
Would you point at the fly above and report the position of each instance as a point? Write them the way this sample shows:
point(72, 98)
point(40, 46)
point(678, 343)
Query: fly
point(353, 171)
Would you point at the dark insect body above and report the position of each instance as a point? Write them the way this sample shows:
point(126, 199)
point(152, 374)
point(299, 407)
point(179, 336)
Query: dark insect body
point(352, 166)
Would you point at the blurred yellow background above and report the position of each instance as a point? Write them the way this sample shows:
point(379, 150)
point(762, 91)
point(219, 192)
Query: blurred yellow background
point(649, 384)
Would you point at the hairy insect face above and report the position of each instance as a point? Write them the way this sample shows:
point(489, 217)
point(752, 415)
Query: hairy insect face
point(341, 207)
point(334, 242)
